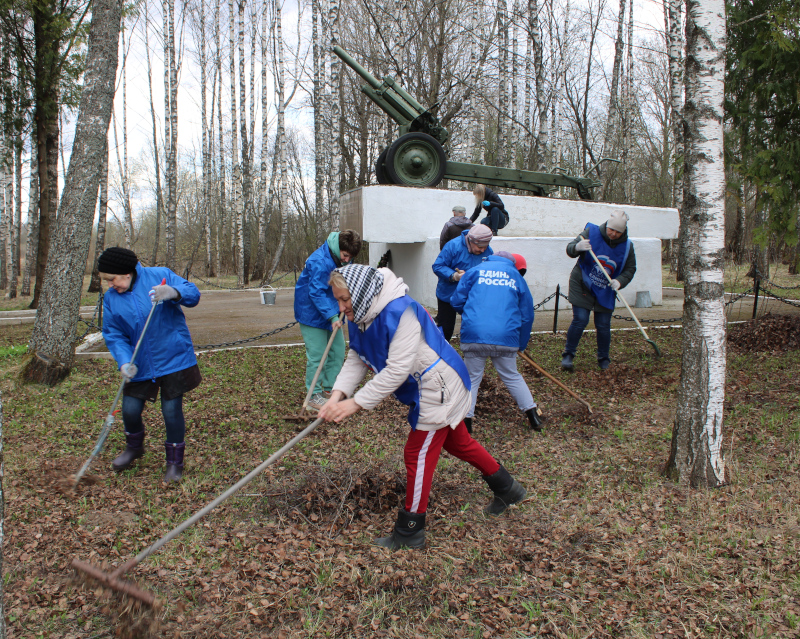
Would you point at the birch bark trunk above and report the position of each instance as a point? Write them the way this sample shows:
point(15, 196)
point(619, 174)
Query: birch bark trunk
point(502, 114)
point(205, 142)
point(283, 199)
point(171, 98)
point(319, 166)
point(261, 251)
point(130, 239)
point(156, 160)
point(95, 285)
point(612, 119)
point(542, 138)
point(33, 220)
point(696, 455)
point(336, 128)
point(53, 338)
point(17, 220)
point(241, 240)
point(236, 171)
point(221, 200)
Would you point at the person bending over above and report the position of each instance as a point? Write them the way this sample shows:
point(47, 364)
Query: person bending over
point(456, 258)
point(496, 214)
point(497, 316)
point(395, 337)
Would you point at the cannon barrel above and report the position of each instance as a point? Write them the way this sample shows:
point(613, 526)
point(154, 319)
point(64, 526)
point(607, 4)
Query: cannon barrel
point(355, 66)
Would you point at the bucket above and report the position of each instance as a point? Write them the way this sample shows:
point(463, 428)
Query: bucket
point(268, 296)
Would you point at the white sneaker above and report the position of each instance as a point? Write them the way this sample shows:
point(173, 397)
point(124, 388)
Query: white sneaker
point(317, 401)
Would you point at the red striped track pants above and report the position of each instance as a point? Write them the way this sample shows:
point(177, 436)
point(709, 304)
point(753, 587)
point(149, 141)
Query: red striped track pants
point(422, 452)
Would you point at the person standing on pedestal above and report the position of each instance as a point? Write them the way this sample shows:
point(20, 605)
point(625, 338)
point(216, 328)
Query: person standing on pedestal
point(589, 289)
point(317, 311)
point(458, 255)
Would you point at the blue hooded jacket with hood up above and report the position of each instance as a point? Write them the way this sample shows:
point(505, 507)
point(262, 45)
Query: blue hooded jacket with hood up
point(455, 255)
point(314, 303)
point(167, 345)
point(496, 305)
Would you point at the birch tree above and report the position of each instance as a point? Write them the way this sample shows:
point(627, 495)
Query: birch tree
point(171, 133)
point(696, 456)
point(335, 114)
point(53, 338)
point(283, 200)
point(159, 215)
point(95, 285)
point(31, 243)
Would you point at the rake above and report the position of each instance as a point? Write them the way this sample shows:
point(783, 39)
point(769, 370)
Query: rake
point(114, 579)
point(636, 319)
point(109, 422)
point(538, 368)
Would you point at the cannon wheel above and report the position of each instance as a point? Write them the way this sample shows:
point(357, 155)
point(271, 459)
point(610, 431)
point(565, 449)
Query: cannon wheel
point(380, 168)
point(416, 159)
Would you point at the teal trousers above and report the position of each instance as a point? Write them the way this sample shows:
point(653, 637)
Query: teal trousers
point(316, 340)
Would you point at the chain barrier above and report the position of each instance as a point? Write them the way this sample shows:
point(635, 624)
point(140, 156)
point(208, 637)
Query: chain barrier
point(790, 302)
point(247, 340)
point(93, 325)
point(770, 282)
point(238, 288)
point(544, 301)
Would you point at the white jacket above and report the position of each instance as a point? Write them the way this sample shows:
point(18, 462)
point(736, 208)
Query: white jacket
point(444, 400)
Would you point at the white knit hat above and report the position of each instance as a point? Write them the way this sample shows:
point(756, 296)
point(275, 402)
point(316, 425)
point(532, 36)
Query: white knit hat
point(618, 220)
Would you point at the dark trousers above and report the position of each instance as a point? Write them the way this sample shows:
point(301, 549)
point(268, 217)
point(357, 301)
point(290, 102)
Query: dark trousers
point(580, 319)
point(446, 318)
point(495, 219)
point(171, 410)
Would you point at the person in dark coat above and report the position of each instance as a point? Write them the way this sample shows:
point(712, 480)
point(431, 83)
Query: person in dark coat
point(589, 290)
point(454, 226)
point(458, 255)
point(317, 312)
point(496, 214)
point(166, 360)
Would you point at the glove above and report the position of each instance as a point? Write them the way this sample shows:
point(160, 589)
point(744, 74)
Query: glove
point(487, 203)
point(615, 284)
point(129, 370)
point(583, 246)
point(162, 293)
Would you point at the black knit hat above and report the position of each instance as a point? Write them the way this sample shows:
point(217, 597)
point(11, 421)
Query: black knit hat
point(117, 261)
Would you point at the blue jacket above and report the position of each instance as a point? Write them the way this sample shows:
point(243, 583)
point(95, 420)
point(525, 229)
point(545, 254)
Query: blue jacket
point(167, 346)
point(314, 304)
point(455, 255)
point(496, 305)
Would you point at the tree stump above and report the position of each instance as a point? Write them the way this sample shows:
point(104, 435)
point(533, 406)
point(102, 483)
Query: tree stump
point(44, 369)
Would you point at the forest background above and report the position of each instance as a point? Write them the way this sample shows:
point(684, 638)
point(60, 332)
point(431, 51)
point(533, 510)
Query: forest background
point(235, 127)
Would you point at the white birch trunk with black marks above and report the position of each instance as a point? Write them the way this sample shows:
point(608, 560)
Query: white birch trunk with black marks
point(53, 338)
point(696, 456)
point(283, 198)
point(542, 137)
point(33, 220)
point(14, 230)
point(156, 161)
point(242, 206)
point(612, 118)
point(336, 132)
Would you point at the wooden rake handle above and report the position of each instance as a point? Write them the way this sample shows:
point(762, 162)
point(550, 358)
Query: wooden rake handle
point(535, 366)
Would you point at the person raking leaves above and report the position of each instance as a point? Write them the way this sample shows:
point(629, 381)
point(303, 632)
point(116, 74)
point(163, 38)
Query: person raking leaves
point(395, 337)
point(166, 362)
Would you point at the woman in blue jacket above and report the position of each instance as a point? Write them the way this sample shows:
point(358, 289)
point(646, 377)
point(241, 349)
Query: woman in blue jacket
point(496, 320)
point(458, 256)
point(318, 312)
point(166, 359)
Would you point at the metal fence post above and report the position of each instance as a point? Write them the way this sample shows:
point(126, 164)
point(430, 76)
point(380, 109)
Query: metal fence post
point(755, 301)
point(555, 314)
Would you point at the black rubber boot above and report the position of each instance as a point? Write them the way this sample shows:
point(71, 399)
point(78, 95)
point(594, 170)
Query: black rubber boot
point(409, 532)
point(507, 491)
point(535, 418)
point(174, 470)
point(468, 424)
point(133, 450)
point(566, 362)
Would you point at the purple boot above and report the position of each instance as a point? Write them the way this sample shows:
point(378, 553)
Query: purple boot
point(174, 461)
point(133, 450)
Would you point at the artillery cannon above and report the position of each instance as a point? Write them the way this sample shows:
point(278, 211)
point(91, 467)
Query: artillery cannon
point(418, 156)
